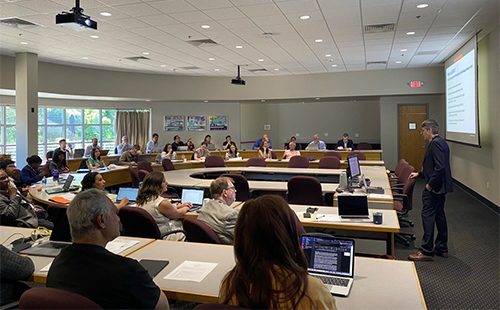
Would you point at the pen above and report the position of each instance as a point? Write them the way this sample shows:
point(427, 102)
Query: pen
point(318, 217)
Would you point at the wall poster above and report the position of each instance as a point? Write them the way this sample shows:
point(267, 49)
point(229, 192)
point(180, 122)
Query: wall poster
point(174, 123)
point(196, 123)
point(218, 122)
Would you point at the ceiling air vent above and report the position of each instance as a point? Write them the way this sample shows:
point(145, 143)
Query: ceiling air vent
point(137, 58)
point(257, 70)
point(17, 22)
point(190, 68)
point(379, 28)
point(202, 43)
point(376, 63)
point(427, 53)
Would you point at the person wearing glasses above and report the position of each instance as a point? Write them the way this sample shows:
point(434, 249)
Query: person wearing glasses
point(217, 212)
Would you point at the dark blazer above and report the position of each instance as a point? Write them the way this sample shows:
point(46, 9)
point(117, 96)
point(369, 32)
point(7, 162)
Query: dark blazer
point(436, 167)
point(350, 144)
point(29, 175)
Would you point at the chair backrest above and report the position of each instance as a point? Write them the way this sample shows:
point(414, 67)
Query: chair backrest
point(256, 162)
point(405, 173)
point(361, 156)
point(46, 168)
point(300, 228)
point(137, 222)
point(198, 231)
point(53, 210)
point(134, 175)
point(53, 298)
point(241, 185)
point(144, 165)
point(49, 154)
point(216, 306)
point(305, 190)
point(408, 191)
point(116, 150)
point(214, 161)
point(273, 155)
point(83, 164)
point(334, 154)
point(400, 166)
point(364, 146)
point(167, 164)
point(142, 174)
point(17, 174)
point(298, 162)
point(329, 162)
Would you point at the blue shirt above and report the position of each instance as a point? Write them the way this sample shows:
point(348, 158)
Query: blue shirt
point(120, 146)
point(321, 145)
point(29, 175)
point(256, 146)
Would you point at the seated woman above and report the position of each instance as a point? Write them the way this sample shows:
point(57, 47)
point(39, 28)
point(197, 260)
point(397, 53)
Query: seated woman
point(297, 145)
point(95, 180)
point(264, 151)
point(168, 152)
point(202, 152)
point(232, 152)
point(58, 162)
point(291, 152)
point(190, 144)
point(226, 144)
point(271, 268)
point(31, 173)
point(95, 161)
point(164, 213)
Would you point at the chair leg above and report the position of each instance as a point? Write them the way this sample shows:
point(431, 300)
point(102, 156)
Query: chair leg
point(401, 238)
point(412, 236)
point(409, 222)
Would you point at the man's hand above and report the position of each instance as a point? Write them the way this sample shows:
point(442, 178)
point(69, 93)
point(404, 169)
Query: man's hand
point(340, 148)
point(427, 187)
point(26, 189)
point(12, 190)
point(413, 175)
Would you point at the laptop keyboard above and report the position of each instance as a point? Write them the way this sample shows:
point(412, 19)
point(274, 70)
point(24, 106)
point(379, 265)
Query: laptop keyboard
point(332, 280)
point(55, 245)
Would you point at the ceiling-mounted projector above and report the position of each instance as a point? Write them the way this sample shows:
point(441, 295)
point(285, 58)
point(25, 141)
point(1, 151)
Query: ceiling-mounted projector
point(76, 20)
point(238, 80)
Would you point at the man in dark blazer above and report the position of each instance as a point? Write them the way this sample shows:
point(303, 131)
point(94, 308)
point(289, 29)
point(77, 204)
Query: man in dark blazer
point(437, 174)
point(345, 144)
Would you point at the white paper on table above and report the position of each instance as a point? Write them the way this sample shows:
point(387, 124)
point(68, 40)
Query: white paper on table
point(46, 268)
point(328, 218)
point(385, 196)
point(191, 271)
point(119, 245)
point(69, 196)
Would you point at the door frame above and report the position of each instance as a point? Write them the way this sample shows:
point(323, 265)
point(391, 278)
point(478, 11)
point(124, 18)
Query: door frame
point(402, 104)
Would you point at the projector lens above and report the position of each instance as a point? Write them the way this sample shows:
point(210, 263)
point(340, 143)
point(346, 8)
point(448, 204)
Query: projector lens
point(87, 22)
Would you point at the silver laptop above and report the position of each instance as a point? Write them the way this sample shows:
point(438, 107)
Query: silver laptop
point(194, 196)
point(183, 148)
point(332, 261)
point(353, 206)
point(312, 147)
point(129, 192)
point(65, 188)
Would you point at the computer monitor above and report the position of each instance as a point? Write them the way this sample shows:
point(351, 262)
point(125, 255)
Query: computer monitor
point(353, 169)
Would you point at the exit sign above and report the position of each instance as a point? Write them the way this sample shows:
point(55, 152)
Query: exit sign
point(415, 84)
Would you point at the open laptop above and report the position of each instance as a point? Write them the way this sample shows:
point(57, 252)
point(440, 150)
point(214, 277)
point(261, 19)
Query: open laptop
point(65, 188)
point(78, 153)
point(183, 148)
point(129, 192)
point(60, 238)
point(331, 260)
point(194, 196)
point(353, 206)
point(312, 147)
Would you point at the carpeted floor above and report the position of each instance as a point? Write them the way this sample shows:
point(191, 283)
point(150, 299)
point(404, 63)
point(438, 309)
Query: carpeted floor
point(470, 277)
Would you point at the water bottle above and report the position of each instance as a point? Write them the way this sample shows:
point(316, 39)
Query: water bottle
point(183, 157)
point(55, 176)
point(44, 182)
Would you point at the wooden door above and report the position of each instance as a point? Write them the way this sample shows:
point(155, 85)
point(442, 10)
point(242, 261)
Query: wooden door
point(412, 146)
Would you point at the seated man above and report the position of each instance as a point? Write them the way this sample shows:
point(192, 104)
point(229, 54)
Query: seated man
point(124, 146)
point(131, 157)
point(16, 210)
point(154, 146)
point(217, 212)
point(345, 144)
point(316, 141)
point(87, 268)
point(94, 145)
point(258, 143)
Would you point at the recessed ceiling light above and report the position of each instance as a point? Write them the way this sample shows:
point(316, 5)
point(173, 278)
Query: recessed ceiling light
point(305, 17)
point(105, 14)
point(85, 57)
point(205, 101)
point(261, 59)
point(334, 66)
point(239, 46)
point(409, 33)
point(422, 6)
point(94, 37)
point(205, 26)
point(318, 40)
point(163, 66)
point(403, 50)
point(398, 61)
point(148, 100)
point(216, 69)
point(276, 69)
point(145, 53)
point(263, 100)
point(211, 58)
point(317, 98)
point(328, 55)
point(23, 42)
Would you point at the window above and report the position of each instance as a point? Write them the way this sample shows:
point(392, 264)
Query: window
point(8, 130)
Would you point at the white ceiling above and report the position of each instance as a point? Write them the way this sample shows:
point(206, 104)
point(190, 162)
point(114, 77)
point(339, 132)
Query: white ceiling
point(161, 28)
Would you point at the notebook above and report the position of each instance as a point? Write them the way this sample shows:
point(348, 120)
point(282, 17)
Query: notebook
point(129, 192)
point(65, 188)
point(60, 238)
point(78, 153)
point(332, 261)
point(194, 196)
point(353, 206)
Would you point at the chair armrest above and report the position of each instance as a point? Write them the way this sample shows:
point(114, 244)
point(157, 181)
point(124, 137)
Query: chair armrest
point(398, 185)
point(174, 232)
point(403, 198)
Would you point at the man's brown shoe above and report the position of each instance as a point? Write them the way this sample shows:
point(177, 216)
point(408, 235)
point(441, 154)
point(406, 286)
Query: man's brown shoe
point(442, 254)
point(420, 257)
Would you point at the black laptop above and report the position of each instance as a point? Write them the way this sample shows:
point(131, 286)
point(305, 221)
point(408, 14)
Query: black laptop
point(353, 206)
point(65, 188)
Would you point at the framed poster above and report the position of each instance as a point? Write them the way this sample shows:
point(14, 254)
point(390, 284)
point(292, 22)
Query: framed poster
point(218, 122)
point(174, 123)
point(196, 123)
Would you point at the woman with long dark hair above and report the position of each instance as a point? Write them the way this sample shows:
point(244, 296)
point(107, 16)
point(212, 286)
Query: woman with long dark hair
point(58, 162)
point(95, 180)
point(271, 268)
point(95, 161)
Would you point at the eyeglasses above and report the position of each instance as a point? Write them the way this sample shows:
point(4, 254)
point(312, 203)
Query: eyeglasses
point(231, 188)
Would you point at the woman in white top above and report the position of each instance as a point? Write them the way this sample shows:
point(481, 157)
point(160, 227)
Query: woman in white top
point(164, 213)
point(168, 152)
point(264, 151)
point(291, 152)
point(232, 152)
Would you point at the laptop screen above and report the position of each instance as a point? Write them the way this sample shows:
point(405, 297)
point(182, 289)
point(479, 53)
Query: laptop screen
point(61, 231)
point(353, 205)
point(194, 196)
point(129, 192)
point(68, 182)
point(329, 255)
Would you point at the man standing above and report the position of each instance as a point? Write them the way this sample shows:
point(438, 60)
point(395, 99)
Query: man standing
point(317, 142)
point(131, 157)
point(345, 144)
point(124, 146)
point(258, 143)
point(217, 212)
point(62, 147)
point(89, 148)
point(153, 146)
point(437, 174)
point(87, 268)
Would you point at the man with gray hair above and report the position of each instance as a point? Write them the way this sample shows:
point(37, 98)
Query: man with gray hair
point(217, 212)
point(316, 144)
point(437, 174)
point(87, 268)
point(124, 146)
